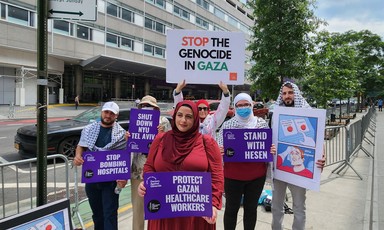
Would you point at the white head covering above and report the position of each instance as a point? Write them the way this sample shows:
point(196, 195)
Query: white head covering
point(242, 96)
point(299, 101)
point(244, 122)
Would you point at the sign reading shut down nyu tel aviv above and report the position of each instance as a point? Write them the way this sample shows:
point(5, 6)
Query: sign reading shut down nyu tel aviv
point(205, 57)
point(176, 194)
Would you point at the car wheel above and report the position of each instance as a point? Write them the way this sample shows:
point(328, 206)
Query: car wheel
point(68, 147)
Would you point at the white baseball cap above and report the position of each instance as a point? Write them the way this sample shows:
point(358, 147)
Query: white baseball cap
point(111, 106)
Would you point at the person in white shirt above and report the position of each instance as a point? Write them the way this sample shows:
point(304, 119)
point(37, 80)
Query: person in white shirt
point(209, 123)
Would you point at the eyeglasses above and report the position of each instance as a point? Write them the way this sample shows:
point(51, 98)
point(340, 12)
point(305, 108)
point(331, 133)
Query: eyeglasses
point(243, 105)
point(146, 105)
point(203, 108)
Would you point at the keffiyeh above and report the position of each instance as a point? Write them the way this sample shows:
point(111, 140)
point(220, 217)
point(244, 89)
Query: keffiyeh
point(299, 101)
point(91, 132)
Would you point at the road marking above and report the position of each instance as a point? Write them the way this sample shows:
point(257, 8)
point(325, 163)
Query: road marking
point(3, 137)
point(2, 160)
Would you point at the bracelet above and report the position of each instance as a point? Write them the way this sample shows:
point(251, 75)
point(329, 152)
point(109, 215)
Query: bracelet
point(177, 93)
point(226, 94)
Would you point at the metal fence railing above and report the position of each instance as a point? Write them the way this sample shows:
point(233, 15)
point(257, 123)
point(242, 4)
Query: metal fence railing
point(18, 184)
point(349, 142)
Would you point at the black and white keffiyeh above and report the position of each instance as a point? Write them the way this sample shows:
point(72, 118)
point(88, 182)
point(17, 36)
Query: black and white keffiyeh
point(237, 122)
point(91, 132)
point(299, 101)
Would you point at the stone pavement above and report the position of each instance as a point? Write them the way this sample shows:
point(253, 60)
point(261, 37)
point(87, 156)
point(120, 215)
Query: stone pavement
point(344, 202)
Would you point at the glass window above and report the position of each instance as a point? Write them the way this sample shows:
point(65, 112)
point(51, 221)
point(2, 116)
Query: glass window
point(160, 3)
point(182, 13)
point(160, 27)
point(83, 32)
point(127, 43)
point(18, 15)
point(148, 49)
point(159, 52)
point(201, 22)
point(61, 27)
point(203, 4)
point(148, 23)
point(112, 40)
point(219, 13)
point(185, 15)
point(32, 19)
point(127, 15)
point(112, 9)
point(232, 21)
point(2, 10)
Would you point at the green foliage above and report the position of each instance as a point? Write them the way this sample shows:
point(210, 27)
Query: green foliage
point(344, 65)
point(280, 42)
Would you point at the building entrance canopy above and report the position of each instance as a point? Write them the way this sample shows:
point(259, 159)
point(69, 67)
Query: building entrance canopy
point(115, 65)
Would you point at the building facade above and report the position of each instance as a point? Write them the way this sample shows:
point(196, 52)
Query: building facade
point(120, 55)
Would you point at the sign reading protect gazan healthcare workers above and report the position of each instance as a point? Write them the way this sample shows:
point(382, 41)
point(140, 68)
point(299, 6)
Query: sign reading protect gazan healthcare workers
point(177, 194)
point(143, 129)
point(205, 57)
point(247, 145)
point(108, 165)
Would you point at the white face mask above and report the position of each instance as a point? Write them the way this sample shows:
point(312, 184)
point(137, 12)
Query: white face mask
point(148, 108)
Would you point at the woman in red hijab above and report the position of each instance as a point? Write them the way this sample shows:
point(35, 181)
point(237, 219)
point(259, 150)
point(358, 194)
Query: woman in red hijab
point(185, 149)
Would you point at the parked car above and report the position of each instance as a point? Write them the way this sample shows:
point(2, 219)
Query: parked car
point(62, 136)
point(260, 110)
point(214, 104)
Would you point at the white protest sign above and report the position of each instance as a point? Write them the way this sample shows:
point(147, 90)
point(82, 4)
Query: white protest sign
point(298, 134)
point(205, 57)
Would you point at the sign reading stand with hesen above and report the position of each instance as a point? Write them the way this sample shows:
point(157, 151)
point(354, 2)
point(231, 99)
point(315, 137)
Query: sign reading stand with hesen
point(143, 129)
point(247, 145)
point(106, 166)
point(177, 194)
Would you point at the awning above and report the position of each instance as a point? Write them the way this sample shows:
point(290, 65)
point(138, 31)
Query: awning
point(116, 65)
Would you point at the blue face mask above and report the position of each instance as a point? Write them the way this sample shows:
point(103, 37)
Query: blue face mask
point(243, 112)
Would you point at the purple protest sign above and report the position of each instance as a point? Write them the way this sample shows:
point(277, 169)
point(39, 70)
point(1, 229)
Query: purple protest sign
point(247, 145)
point(106, 166)
point(143, 129)
point(177, 194)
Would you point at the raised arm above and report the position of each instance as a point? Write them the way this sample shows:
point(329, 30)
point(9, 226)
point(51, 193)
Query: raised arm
point(178, 93)
point(221, 113)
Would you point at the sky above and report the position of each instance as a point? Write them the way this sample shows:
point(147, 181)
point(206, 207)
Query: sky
point(357, 15)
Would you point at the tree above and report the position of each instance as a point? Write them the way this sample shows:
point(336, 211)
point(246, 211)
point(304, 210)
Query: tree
point(280, 42)
point(345, 65)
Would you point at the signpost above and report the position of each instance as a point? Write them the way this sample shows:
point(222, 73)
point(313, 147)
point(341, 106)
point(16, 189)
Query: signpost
point(73, 9)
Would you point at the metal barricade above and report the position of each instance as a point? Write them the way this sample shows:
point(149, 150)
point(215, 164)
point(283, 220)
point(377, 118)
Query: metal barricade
point(11, 113)
point(335, 148)
point(355, 134)
point(18, 184)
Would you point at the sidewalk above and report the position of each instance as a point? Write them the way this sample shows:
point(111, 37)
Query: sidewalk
point(344, 202)
point(29, 111)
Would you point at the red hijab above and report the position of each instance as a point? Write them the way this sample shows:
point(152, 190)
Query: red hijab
point(202, 101)
point(177, 145)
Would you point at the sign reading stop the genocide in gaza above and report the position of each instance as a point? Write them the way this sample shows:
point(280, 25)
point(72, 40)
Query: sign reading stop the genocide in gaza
point(205, 57)
point(73, 9)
